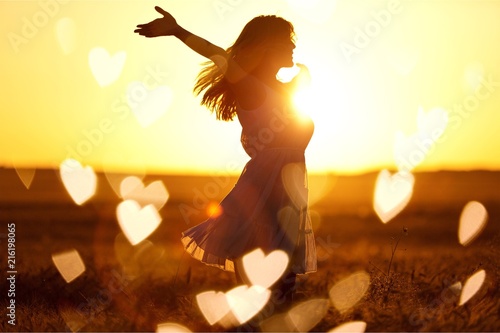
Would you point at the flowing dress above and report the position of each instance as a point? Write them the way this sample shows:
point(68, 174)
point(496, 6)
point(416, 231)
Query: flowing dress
point(268, 206)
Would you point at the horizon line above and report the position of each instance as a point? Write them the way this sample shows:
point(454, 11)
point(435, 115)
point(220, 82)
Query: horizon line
point(392, 170)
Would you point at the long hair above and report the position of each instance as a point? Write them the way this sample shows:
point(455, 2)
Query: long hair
point(218, 96)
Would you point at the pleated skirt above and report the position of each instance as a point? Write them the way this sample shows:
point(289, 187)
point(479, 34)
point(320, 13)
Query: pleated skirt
point(267, 208)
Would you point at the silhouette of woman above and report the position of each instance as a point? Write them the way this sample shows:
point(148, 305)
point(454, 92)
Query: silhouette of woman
point(267, 208)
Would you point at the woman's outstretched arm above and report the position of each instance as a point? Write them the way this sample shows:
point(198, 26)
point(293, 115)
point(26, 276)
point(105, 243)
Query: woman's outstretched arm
point(168, 26)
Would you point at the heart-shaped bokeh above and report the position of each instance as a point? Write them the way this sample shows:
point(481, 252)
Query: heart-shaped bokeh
point(264, 270)
point(308, 314)
point(171, 328)
point(350, 327)
point(74, 319)
point(26, 175)
point(112, 162)
point(473, 76)
point(472, 286)
point(245, 302)
point(106, 68)
point(155, 193)
point(346, 293)
point(69, 264)
point(148, 105)
point(213, 305)
point(137, 223)
point(293, 176)
point(410, 151)
point(66, 34)
point(472, 222)
point(319, 186)
point(80, 182)
point(456, 288)
point(392, 194)
point(433, 121)
point(300, 318)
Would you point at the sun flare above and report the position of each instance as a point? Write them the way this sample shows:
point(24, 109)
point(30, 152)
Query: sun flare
point(365, 84)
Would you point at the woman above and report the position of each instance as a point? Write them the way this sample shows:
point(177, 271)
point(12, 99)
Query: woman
point(267, 208)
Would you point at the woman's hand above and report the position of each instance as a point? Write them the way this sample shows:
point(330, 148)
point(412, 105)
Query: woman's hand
point(165, 26)
point(301, 80)
point(304, 75)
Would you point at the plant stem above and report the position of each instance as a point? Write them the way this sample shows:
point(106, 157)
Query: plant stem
point(381, 271)
point(392, 256)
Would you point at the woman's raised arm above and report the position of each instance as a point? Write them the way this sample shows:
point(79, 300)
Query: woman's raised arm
point(168, 26)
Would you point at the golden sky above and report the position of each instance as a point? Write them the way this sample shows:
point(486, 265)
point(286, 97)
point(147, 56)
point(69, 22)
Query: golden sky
point(394, 83)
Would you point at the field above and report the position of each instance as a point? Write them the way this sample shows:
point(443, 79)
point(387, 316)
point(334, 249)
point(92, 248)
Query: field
point(126, 288)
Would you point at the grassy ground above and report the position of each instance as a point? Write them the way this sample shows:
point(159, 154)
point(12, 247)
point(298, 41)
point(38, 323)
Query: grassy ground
point(134, 289)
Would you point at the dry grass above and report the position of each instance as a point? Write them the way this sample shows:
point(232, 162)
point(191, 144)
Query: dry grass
point(153, 289)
